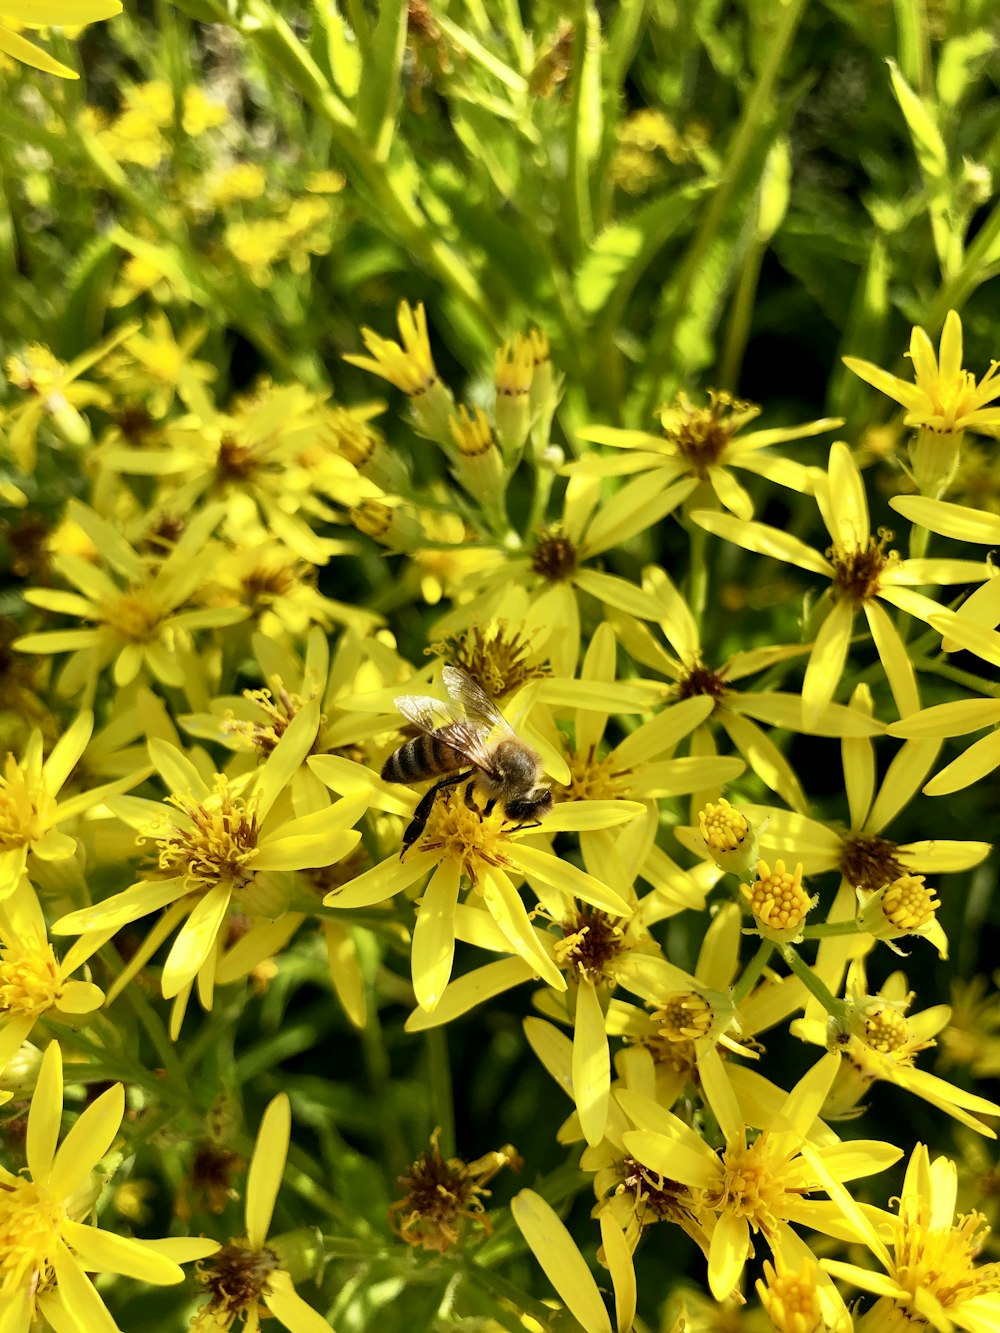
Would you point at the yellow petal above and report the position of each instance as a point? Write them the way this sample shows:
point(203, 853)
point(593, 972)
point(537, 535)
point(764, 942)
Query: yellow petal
point(45, 1115)
point(591, 1064)
point(618, 1257)
point(267, 1167)
point(728, 1251)
point(289, 1308)
point(79, 1295)
point(560, 1260)
point(979, 759)
point(381, 881)
point(562, 875)
point(104, 1252)
point(482, 983)
point(195, 940)
point(511, 916)
point(826, 661)
point(433, 949)
point(13, 44)
point(554, 1049)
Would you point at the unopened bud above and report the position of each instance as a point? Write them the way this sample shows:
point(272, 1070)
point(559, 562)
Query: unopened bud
point(778, 902)
point(729, 837)
point(904, 907)
point(389, 524)
point(515, 370)
point(479, 467)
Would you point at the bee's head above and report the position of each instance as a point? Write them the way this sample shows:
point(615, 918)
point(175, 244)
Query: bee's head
point(529, 808)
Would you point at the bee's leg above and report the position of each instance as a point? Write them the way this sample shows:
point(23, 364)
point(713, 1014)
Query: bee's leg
point(527, 823)
point(423, 811)
point(491, 805)
point(470, 799)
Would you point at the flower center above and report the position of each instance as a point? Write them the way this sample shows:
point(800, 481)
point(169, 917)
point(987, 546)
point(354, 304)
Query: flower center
point(777, 898)
point(683, 1017)
point(25, 807)
point(497, 658)
point(591, 941)
point(440, 1193)
point(554, 556)
point(907, 903)
point(31, 1223)
point(869, 862)
point(657, 1198)
point(593, 779)
point(857, 569)
point(884, 1029)
point(702, 434)
point(700, 680)
point(237, 1277)
point(265, 735)
point(218, 846)
point(134, 616)
point(464, 834)
point(752, 1187)
point(30, 982)
point(723, 827)
point(942, 1260)
point(235, 461)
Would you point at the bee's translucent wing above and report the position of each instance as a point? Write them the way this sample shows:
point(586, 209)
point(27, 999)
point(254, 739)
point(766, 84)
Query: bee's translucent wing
point(473, 702)
point(426, 713)
point(448, 721)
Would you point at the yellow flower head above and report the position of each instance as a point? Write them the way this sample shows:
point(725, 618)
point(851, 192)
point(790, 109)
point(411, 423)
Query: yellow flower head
point(408, 364)
point(944, 398)
point(245, 1278)
point(778, 901)
point(441, 1195)
point(46, 1251)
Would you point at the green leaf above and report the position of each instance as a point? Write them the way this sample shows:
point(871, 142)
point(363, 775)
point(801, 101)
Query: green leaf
point(922, 124)
point(380, 91)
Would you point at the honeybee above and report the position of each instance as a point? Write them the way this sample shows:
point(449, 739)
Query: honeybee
point(468, 737)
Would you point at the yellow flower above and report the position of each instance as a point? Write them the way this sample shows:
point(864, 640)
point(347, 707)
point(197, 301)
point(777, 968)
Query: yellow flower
point(30, 811)
point(409, 365)
point(140, 621)
point(862, 574)
point(33, 982)
point(44, 14)
point(46, 1251)
point(759, 1186)
point(702, 443)
point(778, 902)
point(929, 1255)
point(881, 1041)
point(245, 1277)
point(944, 397)
point(442, 1195)
point(943, 403)
point(736, 710)
point(231, 846)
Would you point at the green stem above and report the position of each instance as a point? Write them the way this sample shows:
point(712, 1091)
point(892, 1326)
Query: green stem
point(740, 315)
point(758, 110)
point(836, 1008)
point(941, 667)
point(753, 970)
point(157, 1034)
point(829, 928)
point(507, 1293)
point(698, 572)
point(439, 1077)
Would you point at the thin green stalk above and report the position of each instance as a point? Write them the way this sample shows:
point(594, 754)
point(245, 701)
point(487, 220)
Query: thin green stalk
point(836, 1008)
point(753, 970)
point(506, 1292)
point(830, 928)
point(698, 572)
point(439, 1078)
point(757, 111)
point(740, 315)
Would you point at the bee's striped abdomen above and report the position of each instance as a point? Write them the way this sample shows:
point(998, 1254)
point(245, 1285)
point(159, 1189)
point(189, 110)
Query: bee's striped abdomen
point(424, 757)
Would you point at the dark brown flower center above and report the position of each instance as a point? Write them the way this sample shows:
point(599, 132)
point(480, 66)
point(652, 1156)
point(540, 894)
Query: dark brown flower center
point(554, 557)
point(869, 862)
point(857, 570)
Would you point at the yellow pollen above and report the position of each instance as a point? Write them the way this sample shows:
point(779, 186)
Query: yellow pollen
point(941, 1260)
point(465, 835)
point(593, 779)
point(778, 901)
point(218, 845)
point(471, 432)
point(684, 1016)
point(884, 1029)
point(25, 807)
point(792, 1299)
point(908, 904)
point(723, 827)
point(31, 1222)
point(752, 1186)
point(29, 979)
point(134, 616)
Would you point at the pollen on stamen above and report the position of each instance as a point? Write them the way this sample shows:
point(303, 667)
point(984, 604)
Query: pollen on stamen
point(218, 845)
point(499, 658)
point(858, 569)
point(444, 1194)
point(702, 434)
point(791, 1297)
point(907, 904)
point(236, 1277)
point(593, 779)
point(264, 736)
point(684, 1016)
point(591, 941)
point(30, 983)
point(31, 1221)
point(25, 807)
point(777, 900)
point(464, 834)
point(554, 556)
